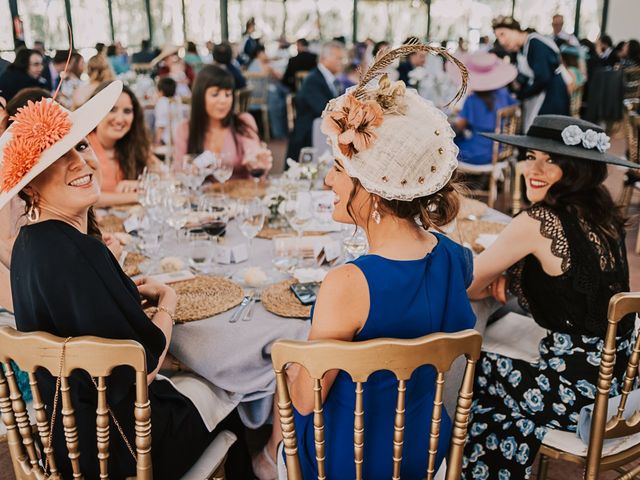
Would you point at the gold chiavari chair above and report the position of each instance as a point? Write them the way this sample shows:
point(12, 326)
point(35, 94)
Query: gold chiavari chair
point(259, 84)
point(576, 102)
point(360, 360)
point(98, 357)
point(242, 99)
point(624, 435)
point(507, 122)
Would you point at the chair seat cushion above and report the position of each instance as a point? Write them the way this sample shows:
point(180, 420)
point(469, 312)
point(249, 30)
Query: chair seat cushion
point(211, 457)
point(570, 443)
point(514, 336)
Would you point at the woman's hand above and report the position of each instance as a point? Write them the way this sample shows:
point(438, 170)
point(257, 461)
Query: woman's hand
point(155, 294)
point(127, 186)
point(496, 289)
point(113, 244)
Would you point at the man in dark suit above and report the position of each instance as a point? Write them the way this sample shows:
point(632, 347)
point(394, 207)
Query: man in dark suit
point(304, 61)
point(320, 86)
point(146, 53)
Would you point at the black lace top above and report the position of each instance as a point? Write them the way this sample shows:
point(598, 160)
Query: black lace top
point(594, 269)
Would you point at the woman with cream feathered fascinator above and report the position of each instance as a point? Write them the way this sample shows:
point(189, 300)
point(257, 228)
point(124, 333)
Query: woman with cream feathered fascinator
point(394, 161)
point(397, 144)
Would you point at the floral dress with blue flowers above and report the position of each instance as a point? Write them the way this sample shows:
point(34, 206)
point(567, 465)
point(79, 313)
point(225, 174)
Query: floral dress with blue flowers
point(516, 402)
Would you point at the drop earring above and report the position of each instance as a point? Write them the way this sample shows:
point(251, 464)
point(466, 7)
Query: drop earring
point(375, 215)
point(33, 213)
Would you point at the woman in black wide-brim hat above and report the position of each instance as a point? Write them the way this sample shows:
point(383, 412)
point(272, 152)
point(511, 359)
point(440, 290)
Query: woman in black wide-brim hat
point(564, 257)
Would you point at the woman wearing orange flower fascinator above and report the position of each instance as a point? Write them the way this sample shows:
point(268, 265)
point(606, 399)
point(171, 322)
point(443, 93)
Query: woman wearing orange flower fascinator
point(393, 177)
point(66, 282)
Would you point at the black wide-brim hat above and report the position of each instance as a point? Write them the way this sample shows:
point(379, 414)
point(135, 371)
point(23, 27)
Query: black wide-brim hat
point(548, 133)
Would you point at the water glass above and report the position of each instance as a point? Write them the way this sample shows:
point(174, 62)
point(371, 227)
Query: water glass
point(250, 216)
point(356, 244)
point(285, 253)
point(298, 209)
point(223, 168)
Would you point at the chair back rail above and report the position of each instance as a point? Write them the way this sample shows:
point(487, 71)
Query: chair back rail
point(259, 84)
point(620, 305)
point(360, 360)
point(98, 357)
point(507, 122)
point(242, 97)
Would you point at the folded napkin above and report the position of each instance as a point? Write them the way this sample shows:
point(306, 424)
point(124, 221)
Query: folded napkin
point(584, 421)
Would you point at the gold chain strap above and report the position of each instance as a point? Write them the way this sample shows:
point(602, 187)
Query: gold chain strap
point(49, 447)
point(55, 409)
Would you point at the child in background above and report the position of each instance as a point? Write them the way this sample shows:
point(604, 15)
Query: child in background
point(168, 112)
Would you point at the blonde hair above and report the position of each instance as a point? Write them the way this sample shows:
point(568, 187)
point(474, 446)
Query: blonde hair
point(99, 69)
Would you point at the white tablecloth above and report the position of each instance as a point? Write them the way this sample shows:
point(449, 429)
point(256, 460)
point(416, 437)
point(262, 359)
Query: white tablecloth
point(236, 356)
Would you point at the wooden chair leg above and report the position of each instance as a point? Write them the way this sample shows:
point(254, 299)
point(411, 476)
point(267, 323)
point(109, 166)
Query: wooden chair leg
point(265, 125)
point(493, 190)
point(543, 466)
point(638, 242)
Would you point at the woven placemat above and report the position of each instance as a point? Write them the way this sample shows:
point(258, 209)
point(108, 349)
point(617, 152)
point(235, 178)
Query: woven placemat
point(471, 207)
point(132, 263)
point(280, 300)
point(111, 224)
point(204, 297)
point(469, 230)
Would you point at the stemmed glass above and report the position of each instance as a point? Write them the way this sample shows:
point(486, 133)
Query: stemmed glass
point(178, 206)
point(298, 209)
point(254, 161)
point(215, 210)
point(223, 168)
point(250, 215)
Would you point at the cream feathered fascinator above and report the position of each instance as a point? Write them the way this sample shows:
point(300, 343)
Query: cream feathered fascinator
point(397, 144)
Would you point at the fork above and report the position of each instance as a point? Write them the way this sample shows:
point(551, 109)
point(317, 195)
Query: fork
point(248, 312)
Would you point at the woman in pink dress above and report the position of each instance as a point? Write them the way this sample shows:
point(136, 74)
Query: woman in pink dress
point(213, 125)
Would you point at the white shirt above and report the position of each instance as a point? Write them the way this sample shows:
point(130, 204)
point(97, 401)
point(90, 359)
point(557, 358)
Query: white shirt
point(167, 113)
point(329, 77)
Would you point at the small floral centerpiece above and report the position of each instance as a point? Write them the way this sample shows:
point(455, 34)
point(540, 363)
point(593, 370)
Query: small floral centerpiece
point(297, 171)
point(273, 200)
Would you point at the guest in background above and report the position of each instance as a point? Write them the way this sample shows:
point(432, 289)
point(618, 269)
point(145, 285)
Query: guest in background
point(101, 48)
point(71, 80)
point(604, 47)
point(304, 61)
point(223, 56)
point(173, 66)
point(630, 55)
point(249, 44)
point(214, 126)
point(483, 44)
point(350, 76)
point(192, 57)
point(416, 59)
point(3, 65)
point(38, 46)
point(168, 112)
point(571, 60)
point(320, 86)
point(99, 70)
point(488, 78)
point(57, 66)
point(146, 53)
point(24, 72)
point(117, 56)
point(276, 93)
point(542, 88)
point(559, 35)
point(123, 148)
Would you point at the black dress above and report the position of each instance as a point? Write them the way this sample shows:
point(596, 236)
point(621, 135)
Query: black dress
point(67, 283)
point(515, 402)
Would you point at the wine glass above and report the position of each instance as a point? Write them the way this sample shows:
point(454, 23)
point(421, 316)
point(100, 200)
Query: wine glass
point(298, 209)
point(356, 244)
point(255, 163)
point(215, 210)
point(250, 215)
point(285, 253)
point(223, 168)
point(178, 206)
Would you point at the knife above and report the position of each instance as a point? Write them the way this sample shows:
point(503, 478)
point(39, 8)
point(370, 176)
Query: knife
point(238, 312)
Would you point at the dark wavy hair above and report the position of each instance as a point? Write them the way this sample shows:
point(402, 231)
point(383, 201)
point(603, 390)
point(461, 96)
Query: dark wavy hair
point(212, 76)
point(23, 57)
point(581, 192)
point(432, 211)
point(36, 94)
point(132, 150)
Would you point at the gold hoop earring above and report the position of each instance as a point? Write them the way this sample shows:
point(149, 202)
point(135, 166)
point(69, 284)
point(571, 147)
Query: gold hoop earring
point(33, 213)
point(375, 215)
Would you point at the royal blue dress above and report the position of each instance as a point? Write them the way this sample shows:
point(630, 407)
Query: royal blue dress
point(408, 299)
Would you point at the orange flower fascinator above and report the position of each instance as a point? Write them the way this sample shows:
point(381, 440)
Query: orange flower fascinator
point(42, 132)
